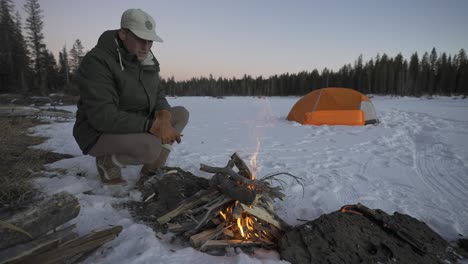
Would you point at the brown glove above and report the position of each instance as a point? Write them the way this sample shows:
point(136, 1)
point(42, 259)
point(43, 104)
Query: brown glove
point(163, 129)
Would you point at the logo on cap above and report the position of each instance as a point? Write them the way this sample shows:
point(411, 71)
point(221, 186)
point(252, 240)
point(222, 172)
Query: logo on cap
point(148, 25)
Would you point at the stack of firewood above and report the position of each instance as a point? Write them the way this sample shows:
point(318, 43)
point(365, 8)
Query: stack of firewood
point(236, 211)
point(41, 234)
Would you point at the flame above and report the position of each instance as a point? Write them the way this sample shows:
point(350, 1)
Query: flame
point(246, 226)
point(239, 225)
point(226, 213)
point(250, 223)
point(253, 160)
point(223, 215)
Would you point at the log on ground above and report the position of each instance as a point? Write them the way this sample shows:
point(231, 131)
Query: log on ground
point(55, 251)
point(39, 219)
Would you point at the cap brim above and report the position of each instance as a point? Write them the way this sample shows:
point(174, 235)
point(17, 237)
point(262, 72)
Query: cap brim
point(147, 35)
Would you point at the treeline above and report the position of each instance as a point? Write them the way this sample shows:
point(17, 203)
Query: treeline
point(27, 66)
point(432, 74)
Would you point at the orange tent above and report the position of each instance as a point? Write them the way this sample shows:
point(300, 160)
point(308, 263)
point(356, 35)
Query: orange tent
point(334, 106)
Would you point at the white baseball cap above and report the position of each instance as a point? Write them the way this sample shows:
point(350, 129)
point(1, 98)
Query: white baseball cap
point(140, 23)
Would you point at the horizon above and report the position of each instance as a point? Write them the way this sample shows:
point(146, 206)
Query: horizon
point(266, 38)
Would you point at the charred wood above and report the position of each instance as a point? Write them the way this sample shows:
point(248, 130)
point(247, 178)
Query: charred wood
point(232, 189)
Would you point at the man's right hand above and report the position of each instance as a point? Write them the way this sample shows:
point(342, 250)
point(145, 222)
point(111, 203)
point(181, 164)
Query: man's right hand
point(163, 129)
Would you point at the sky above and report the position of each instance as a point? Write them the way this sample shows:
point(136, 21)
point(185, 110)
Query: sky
point(266, 37)
point(413, 162)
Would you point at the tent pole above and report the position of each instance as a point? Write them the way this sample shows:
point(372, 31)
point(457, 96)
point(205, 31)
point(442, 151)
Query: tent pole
point(318, 99)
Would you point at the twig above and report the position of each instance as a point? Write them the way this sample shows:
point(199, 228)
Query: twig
point(199, 198)
point(208, 205)
point(206, 217)
point(273, 175)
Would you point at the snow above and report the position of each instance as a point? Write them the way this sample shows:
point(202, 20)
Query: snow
point(414, 162)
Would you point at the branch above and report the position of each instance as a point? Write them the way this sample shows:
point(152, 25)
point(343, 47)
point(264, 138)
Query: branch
point(240, 164)
point(227, 171)
point(272, 176)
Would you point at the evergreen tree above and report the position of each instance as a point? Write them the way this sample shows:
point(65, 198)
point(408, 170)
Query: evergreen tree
point(51, 72)
point(427, 79)
point(399, 75)
point(64, 71)
point(369, 73)
point(325, 78)
point(390, 86)
point(451, 77)
point(442, 74)
point(376, 88)
point(461, 65)
point(20, 56)
point(434, 79)
point(413, 76)
point(13, 55)
point(35, 40)
point(314, 81)
point(6, 53)
point(358, 76)
point(76, 55)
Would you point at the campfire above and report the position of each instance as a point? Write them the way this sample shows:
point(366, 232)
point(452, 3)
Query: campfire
point(236, 211)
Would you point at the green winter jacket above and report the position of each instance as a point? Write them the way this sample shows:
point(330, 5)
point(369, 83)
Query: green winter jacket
point(118, 94)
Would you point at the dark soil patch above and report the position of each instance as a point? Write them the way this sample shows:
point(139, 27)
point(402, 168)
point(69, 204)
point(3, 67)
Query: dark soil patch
point(351, 238)
point(167, 188)
point(18, 162)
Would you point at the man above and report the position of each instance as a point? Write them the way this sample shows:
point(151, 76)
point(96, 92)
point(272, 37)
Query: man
point(123, 117)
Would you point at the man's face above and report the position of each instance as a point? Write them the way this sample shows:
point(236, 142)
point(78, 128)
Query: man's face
point(135, 45)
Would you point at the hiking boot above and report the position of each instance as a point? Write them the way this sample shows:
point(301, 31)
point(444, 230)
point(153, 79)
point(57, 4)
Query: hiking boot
point(153, 167)
point(108, 170)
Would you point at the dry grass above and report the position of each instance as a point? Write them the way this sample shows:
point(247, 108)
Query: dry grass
point(18, 161)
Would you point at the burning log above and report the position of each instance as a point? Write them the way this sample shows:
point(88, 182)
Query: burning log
point(233, 189)
point(235, 211)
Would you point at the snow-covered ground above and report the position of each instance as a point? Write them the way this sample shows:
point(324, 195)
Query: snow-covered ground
point(414, 162)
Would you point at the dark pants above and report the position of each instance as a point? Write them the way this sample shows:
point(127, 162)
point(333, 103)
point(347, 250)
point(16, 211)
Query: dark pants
point(138, 148)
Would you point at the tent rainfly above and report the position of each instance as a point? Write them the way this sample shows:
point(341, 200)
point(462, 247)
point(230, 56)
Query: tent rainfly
point(334, 106)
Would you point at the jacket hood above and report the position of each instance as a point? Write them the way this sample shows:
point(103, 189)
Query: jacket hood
point(110, 42)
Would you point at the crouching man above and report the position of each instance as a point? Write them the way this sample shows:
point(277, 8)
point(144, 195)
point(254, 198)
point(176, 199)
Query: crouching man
point(123, 117)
